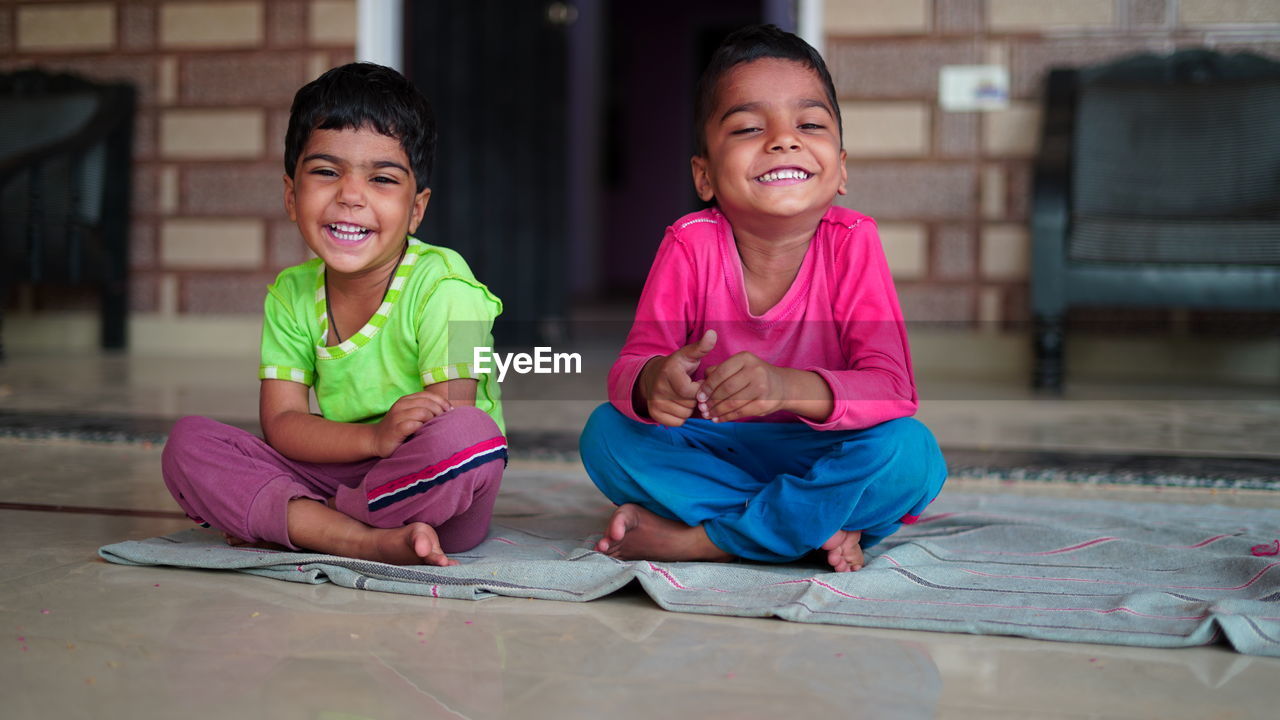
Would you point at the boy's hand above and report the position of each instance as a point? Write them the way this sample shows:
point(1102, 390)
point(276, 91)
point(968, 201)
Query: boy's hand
point(404, 418)
point(742, 386)
point(667, 384)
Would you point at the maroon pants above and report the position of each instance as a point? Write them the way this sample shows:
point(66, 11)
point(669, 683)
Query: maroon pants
point(446, 475)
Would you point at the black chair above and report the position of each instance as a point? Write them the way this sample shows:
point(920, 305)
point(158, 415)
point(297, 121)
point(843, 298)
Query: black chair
point(1158, 185)
point(65, 159)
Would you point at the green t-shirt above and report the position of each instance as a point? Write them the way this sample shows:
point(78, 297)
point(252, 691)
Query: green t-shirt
point(431, 320)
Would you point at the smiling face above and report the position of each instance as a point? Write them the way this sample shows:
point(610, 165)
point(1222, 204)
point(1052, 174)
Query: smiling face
point(773, 146)
point(353, 198)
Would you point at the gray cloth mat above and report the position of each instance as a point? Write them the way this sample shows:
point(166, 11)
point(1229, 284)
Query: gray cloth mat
point(1145, 574)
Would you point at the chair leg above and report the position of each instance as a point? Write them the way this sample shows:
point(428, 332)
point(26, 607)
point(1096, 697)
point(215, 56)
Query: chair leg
point(115, 308)
point(1049, 334)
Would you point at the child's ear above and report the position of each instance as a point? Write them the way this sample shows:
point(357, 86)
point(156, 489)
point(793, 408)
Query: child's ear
point(702, 178)
point(419, 209)
point(844, 174)
point(290, 202)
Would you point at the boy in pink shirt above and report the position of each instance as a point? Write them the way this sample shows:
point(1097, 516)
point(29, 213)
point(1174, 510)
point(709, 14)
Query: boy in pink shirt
point(760, 407)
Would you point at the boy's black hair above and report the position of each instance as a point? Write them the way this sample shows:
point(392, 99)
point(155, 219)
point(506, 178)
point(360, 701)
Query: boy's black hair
point(755, 42)
point(364, 95)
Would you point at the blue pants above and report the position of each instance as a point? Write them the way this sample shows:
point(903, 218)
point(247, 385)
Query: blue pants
point(767, 491)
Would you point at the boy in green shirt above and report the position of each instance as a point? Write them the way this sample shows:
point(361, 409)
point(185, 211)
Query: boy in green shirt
point(404, 461)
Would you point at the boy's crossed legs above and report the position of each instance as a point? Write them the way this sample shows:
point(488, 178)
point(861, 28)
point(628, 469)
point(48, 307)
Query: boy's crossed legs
point(761, 491)
point(433, 496)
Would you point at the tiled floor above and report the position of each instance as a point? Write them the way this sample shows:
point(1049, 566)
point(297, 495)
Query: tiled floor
point(83, 638)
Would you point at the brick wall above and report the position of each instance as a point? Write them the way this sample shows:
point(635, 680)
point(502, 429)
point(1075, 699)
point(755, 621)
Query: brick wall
point(951, 189)
point(215, 80)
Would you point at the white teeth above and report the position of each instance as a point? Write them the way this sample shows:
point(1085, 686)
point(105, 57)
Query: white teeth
point(347, 231)
point(787, 174)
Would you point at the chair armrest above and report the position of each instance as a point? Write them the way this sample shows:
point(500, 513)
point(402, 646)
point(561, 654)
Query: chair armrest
point(117, 103)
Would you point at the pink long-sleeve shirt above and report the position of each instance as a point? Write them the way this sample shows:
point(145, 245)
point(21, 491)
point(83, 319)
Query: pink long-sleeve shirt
point(840, 318)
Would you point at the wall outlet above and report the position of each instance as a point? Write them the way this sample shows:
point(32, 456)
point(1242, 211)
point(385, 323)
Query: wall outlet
point(973, 87)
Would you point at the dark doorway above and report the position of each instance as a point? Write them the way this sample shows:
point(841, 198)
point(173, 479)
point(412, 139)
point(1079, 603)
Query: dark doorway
point(494, 71)
point(655, 53)
point(565, 138)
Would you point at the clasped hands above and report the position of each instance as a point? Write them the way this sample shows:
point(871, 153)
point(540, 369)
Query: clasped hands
point(741, 386)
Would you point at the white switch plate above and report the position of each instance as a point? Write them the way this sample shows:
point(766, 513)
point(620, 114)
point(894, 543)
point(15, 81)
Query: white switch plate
point(973, 87)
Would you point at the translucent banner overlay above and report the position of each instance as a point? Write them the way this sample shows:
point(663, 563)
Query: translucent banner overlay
point(562, 360)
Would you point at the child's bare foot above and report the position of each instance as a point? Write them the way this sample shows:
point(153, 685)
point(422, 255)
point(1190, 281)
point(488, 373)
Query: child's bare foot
point(634, 533)
point(412, 544)
point(843, 551)
point(316, 526)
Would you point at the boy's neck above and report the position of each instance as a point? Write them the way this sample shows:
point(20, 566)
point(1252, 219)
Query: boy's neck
point(765, 257)
point(772, 242)
point(372, 282)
